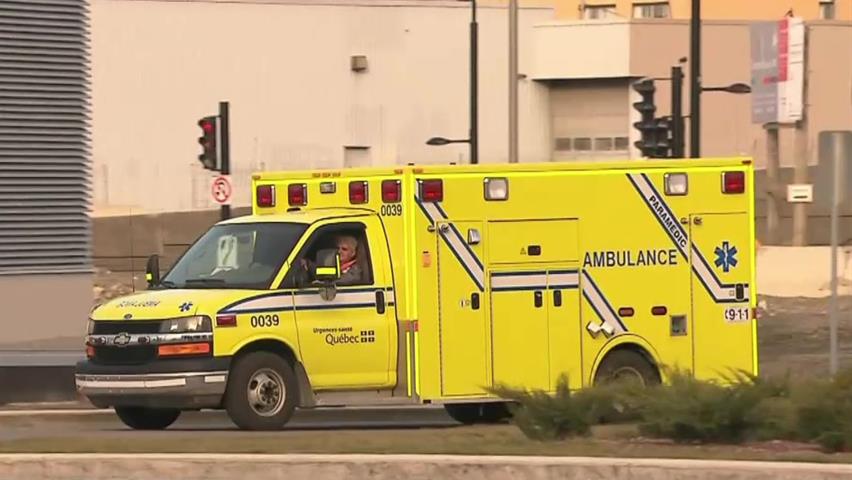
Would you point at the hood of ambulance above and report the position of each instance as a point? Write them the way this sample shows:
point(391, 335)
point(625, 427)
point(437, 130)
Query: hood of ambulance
point(165, 304)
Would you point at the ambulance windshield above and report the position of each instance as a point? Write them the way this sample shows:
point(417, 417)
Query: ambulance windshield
point(246, 255)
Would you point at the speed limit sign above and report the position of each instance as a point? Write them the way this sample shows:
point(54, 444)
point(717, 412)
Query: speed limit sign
point(222, 190)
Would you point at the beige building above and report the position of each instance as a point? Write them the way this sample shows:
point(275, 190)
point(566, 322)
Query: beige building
point(296, 102)
point(710, 9)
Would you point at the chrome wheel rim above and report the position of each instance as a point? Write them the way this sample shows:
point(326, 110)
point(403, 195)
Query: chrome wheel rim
point(266, 392)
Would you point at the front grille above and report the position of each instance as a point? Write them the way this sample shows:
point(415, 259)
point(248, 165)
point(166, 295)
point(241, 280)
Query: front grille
point(125, 355)
point(114, 328)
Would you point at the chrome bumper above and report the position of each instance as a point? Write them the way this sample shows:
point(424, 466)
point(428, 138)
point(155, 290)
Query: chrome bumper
point(185, 383)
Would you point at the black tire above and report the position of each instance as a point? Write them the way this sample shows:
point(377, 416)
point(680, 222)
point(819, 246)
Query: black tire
point(262, 392)
point(627, 365)
point(145, 418)
point(472, 413)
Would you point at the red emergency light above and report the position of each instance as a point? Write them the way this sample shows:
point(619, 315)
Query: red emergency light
point(297, 194)
point(265, 195)
point(733, 182)
point(358, 192)
point(391, 191)
point(432, 190)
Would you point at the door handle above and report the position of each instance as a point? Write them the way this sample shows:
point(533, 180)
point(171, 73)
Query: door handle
point(380, 301)
point(557, 298)
point(474, 301)
point(539, 299)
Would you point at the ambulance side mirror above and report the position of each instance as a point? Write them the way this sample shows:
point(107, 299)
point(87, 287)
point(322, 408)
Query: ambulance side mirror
point(152, 270)
point(328, 266)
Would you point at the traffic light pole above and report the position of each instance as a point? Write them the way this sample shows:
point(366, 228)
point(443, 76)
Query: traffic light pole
point(225, 142)
point(677, 113)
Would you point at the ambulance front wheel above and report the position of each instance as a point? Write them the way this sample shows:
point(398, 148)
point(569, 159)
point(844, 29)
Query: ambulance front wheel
point(629, 365)
point(262, 391)
point(144, 418)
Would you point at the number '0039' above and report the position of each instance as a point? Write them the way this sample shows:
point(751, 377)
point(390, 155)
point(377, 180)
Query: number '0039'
point(258, 321)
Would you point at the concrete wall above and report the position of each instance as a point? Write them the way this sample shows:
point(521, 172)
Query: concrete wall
point(411, 467)
point(159, 66)
point(48, 314)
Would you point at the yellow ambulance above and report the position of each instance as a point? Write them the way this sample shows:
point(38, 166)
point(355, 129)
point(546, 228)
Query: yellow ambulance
point(431, 284)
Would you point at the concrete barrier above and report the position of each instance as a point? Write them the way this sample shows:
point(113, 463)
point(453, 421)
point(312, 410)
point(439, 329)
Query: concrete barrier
point(408, 467)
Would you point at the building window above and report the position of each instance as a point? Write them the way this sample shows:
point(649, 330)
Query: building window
point(583, 144)
point(597, 12)
point(651, 10)
point(587, 144)
point(563, 144)
point(826, 9)
point(603, 144)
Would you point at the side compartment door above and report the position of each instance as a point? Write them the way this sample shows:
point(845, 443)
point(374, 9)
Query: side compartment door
point(461, 297)
point(564, 326)
point(519, 329)
point(721, 309)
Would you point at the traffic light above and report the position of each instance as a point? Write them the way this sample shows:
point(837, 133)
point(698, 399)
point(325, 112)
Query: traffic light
point(647, 125)
point(663, 139)
point(209, 156)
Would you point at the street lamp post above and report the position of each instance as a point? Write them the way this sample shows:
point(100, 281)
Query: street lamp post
point(473, 138)
point(474, 84)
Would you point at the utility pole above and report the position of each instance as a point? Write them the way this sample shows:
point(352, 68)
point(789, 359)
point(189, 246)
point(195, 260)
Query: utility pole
point(513, 81)
point(695, 81)
point(474, 92)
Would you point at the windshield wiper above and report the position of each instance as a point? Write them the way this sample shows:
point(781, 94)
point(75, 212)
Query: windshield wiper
point(206, 281)
point(168, 284)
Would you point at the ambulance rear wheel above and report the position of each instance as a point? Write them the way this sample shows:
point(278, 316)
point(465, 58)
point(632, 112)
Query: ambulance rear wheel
point(144, 418)
point(262, 392)
point(627, 365)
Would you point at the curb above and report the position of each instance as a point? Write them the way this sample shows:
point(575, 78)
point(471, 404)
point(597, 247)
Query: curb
point(410, 467)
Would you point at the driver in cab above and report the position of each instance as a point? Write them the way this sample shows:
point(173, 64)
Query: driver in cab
point(351, 271)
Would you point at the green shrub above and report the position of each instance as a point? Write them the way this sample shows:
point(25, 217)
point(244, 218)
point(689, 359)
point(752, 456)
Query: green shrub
point(543, 416)
point(824, 412)
point(690, 410)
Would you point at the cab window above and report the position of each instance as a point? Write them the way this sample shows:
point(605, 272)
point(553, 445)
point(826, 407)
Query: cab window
point(350, 240)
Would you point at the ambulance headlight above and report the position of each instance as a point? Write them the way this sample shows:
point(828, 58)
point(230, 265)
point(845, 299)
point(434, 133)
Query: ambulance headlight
point(194, 324)
point(676, 184)
point(496, 188)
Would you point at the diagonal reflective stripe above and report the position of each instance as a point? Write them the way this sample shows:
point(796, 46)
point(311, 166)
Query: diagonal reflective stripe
point(719, 291)
point(661, 211)
point(665, 216)
point(600, 305)
point(467, 259)
point(457, 244)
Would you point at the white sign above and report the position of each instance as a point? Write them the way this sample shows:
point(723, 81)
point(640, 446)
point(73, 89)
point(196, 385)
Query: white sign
point(777, 70)
point(222, 190)
point(226, 253)
point(800, 193)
